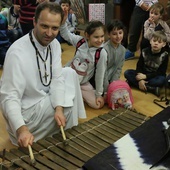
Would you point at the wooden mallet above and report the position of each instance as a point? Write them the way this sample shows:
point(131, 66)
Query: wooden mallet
point(63, 135)
point(33, 162)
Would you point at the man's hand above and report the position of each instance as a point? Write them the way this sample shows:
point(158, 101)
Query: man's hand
point(59, 116)
point(100, 101)
point(145, 7)
point(142, 85)
point(25, 138)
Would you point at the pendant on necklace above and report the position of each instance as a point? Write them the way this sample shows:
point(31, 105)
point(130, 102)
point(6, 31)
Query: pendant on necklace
point(45, 76)
point(38, 55)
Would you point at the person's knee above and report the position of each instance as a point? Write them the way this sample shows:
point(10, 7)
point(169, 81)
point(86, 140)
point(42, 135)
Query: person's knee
point(91, 101)
point(87, 87)
point(126, 73)
point(68, 71)
point(129, 72)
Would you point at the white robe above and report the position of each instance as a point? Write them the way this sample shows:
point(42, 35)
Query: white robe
point(26, 101)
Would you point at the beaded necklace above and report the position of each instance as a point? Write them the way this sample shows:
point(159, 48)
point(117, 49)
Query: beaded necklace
point(38, 55)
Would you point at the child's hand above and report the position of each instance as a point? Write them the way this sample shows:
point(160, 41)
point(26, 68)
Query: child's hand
point(151, 20)
point(65, 15)
point(100, 102)
point(140, 76)
point(10, 27)
point(142, 86)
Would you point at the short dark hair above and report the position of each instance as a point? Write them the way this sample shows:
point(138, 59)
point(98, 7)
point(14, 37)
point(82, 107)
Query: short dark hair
point(93, 25)
point(53, 7)
point(115, 24)
point(65, 2)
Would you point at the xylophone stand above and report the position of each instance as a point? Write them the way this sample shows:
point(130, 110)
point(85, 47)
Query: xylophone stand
point(165, 98)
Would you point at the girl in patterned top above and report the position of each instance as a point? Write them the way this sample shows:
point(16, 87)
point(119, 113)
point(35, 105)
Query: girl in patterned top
point(85, 62)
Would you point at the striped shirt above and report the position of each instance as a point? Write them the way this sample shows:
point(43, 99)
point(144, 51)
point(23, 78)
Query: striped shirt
point(27, 11)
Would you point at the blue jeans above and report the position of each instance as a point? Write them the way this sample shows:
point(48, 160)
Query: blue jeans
point(157, 81)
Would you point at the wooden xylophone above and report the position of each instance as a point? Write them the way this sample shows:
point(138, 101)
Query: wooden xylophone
point(85, 141)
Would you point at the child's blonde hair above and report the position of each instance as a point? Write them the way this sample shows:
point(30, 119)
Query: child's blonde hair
point(158, 7)
point(160, 36)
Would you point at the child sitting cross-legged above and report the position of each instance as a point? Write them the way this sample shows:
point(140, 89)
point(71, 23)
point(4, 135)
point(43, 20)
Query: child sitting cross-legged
point(150, 73)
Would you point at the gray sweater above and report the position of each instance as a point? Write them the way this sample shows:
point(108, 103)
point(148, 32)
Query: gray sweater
point(116, 58)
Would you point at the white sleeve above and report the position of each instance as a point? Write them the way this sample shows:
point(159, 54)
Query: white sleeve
point(68, 36)
point(11, 91)
point(74, 21)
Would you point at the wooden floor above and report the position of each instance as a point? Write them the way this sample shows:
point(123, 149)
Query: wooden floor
point(143, 103)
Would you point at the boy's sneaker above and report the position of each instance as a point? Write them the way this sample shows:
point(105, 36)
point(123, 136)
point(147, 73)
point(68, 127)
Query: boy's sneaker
point(154, 90)
point(129, 55)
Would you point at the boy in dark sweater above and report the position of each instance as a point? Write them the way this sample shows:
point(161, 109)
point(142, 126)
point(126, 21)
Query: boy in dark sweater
point(150, 73)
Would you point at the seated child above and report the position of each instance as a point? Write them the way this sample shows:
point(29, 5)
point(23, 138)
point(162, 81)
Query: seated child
point(90, 60)
point(150, 73)
point(155, 23)
point(12, 15)
point(71, 19)
point(115, 50)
